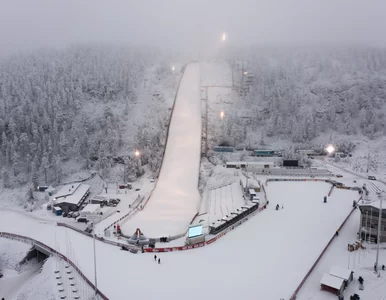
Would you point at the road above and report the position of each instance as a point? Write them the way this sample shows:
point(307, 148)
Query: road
point(350, 172)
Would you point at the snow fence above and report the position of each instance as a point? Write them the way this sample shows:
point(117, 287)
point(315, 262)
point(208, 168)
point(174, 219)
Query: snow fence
point(33, 242)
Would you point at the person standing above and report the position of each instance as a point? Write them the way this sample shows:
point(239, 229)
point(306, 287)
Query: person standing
point(155, 257)
point(159, 260)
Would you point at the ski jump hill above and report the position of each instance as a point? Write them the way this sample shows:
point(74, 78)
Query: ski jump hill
point(176, 199)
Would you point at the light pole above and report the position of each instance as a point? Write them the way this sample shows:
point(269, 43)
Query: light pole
point(95, 263)
point(138, 155)
point(379, 231)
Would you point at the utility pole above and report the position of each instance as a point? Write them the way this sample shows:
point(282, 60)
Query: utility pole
point(379, 231)
point(368, 161)
point(95, 263)
point(206, 122)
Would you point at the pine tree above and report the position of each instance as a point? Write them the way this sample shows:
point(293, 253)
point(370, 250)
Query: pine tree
point(6, 179)
point(45, 166)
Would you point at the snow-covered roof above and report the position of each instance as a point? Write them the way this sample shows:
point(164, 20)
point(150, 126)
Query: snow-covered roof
point(260, 163)
point(50, 189)
point(67, 190)
point(99, 198)
point(331, 281)
point(236, 163)
point(375, 204)
point(340, 272)
point(75, 197)
point(90, 208)
point(252, 192)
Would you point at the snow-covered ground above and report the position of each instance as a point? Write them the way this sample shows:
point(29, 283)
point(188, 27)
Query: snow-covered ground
point(176, 199)
point(267, 249)
point(360, 261)
point(20, 281)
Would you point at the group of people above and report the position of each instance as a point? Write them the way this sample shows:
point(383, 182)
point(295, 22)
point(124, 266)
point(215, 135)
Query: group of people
point(278, 206)
point(155, 259)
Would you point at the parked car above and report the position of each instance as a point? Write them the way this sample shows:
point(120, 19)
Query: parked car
point(69, 215)
point(82, 220)
point(114, 201)
point(64, 215)
point(76, 214)
point(371, 178)
point(339, 175)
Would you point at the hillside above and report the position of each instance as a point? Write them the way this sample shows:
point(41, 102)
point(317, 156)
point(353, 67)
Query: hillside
point(63, 111)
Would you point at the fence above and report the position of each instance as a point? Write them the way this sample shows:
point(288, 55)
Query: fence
point(101, 239)
point(290, 172)
point(293, 297)
point(53, 251)
point(294, 179)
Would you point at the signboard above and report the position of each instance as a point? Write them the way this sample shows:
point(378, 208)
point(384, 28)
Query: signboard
point(195, 231)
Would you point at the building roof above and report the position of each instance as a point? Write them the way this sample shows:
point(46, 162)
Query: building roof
point(99, 198)
point(260, 163)
point(90, 208)
point(375, 205)
point(50, 189)
point(331, 281)
point(75, 197)
point(340, 272)
point(236, 163)
point(67, 190)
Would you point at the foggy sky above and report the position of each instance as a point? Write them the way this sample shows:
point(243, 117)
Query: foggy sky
point(188, 24)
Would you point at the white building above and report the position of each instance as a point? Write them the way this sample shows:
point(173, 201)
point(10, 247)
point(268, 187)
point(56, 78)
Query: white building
point(90, 209)
point(71, 196)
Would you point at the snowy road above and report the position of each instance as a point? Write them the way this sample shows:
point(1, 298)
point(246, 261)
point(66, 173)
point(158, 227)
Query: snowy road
point(176, 199)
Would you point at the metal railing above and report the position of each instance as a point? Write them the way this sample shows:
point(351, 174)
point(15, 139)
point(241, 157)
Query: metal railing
point(33, 242)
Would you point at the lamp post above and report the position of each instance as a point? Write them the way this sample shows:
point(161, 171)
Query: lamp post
point(92, 218)
point(137, 154)
point(379, 231)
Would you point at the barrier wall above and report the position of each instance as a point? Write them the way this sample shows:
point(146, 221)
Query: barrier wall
point(199, 245)
point(53, 251)
point(293, 297)
point(330, 192)
point(294, 179)
point(265, 193)
point(101, 239)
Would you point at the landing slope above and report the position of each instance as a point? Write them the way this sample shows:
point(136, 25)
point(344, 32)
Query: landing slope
point(176, 199)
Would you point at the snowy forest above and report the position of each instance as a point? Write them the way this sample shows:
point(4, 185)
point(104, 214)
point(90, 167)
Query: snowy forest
point(301, 93)
point(66, 110)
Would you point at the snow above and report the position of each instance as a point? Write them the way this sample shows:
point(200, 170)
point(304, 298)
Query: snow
point(331, 281)
point(176, 199)
point(71, 195)
point(67, 190)
point(91, 208)
point(268, 249)
point(361, 262)
point(340, 272)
